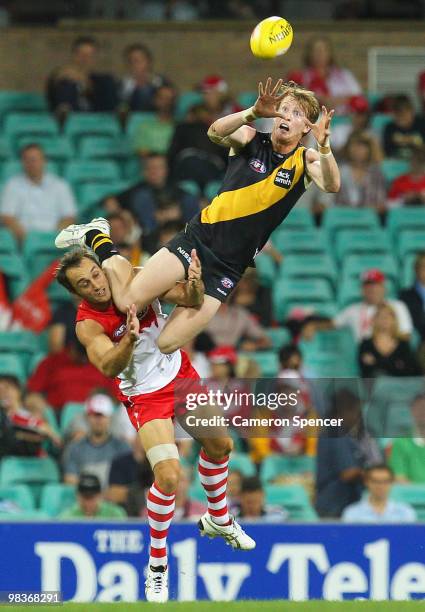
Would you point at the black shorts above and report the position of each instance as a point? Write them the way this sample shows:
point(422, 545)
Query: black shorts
point(219, 279)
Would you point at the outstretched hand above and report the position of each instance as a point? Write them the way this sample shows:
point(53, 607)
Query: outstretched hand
point(321, 130)
point(268, 100)
point(133, 325)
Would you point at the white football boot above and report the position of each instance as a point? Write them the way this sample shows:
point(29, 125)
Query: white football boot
point(234, 535)
point(76, 234)
point(156, 585)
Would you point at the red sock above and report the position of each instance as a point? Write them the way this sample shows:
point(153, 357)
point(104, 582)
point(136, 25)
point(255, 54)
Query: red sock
point(213, 476)
point(160, 513)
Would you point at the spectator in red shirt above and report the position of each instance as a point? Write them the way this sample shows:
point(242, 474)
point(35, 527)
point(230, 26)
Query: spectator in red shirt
point(67, 376)
point(409, 189)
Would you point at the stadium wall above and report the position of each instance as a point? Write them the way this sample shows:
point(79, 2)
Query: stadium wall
point(188, 51)
point(104, 562)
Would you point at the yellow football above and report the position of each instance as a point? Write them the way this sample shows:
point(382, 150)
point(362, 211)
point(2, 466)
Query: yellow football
point(271, 37)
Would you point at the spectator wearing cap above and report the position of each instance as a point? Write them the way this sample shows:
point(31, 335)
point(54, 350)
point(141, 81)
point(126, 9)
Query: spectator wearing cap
point(362, 181)
point(95, 451)
point(406, 132)
point(385, 353)
point(360, 115)
point(36, 200)
point(216, 97)
point(377, 507)
point(252, 506)
point(90, 503)
point(414, 297)
point(359, 316)
point(409, 189)
point(233, 325)
point(407, 457)
point(139, 87)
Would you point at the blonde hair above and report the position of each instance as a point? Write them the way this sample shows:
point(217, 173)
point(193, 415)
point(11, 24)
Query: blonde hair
point(396, 328)
point(306, 99)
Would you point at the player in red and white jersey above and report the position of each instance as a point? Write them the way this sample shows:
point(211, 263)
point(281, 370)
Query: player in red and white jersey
point(124, 347)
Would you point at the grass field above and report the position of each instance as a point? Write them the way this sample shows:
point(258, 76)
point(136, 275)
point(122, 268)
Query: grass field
point(240, 606)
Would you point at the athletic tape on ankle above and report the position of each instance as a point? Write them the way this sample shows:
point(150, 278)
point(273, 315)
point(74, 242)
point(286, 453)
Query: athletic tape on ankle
point(162, 452)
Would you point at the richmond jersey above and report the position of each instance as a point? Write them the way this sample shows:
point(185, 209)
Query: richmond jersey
point(149, 369)
point(259, 190)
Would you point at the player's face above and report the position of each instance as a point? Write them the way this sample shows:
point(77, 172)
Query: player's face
point(292, 127)
point(90, 282)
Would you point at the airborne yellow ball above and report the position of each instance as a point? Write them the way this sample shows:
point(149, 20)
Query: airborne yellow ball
point(271, 37)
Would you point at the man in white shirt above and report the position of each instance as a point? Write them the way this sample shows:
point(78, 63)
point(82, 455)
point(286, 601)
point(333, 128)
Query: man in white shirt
point(377, 507)
point(36, 200)
point(359, 316)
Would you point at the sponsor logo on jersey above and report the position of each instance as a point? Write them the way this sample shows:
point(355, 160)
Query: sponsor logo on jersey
point(221, 291)
point(185, 254)
point(120, 330)
point(258, 166)
point(284, 178)
point(227, 283)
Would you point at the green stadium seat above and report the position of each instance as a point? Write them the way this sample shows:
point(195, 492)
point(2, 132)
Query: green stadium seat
point(69, 412)
point(24, 124)
point(12, 101)
point(19, 494)
point(279, 336)
point(39, 251)
point(393, 168)
point(307, 266)
point(354, 265)
point(57, 148)
point(274, 466)
point(35, 360)
point(185, 101)
point(58, 294)
point(8, 242)
point(12, 266)
point(405, 218)
point(132, 169)
point(298, 219)
point(379, 121)
point(410, 241)
point(91, 194)
point(267, 361)
point(104, 147)
point(55, 498)
point(356, 241)
point(136, 120)
point(84, 124)
point(33, 471)
point(336, 346)
point(413, 494)
point(190, 187)
point(20, 342)
point(299, 241)
point(408, 271)
point(247, 98)
point(266, 269)
point(152, 137)
point(33, 515)
point(13, 167)
point(373, 98)
point(84, 171)
point(341, 120)
point(6, 150)
point(341, 217)
point(294, 500)
point(211, 190)
point(301, 291)
point(242, 463)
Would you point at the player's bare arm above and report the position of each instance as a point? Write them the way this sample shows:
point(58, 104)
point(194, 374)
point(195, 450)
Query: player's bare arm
point(321, 165)
point(111, 359)
point(232, 131)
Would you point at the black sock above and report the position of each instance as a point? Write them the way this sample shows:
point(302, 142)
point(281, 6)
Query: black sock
point(101, 244)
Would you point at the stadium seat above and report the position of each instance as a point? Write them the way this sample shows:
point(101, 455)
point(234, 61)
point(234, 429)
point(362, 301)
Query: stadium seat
point(410, 241)
point(407, 277)
point(91, 194)
point(83, 171)
point(242, 463)
point(294, 499)
point(33, 471)
point(55, 498)
point(35, 360)
point(350, 290)
point(12, 266)
point(132, 169)
point(336, 346)
point(104, 147)
point(308, 266)
point(24, 124)
point(12, 101)
point(379, 121)
point(137, 119)
point(190, 187)
point(356, 241)
point(5, 149)
point(152, 136)
point(58, 294)
point(18, 494)
point(354, 265)
point(247, 98)
point(341, 217)
point(298, 219)
point(211, 190)
point(39, 251)
point(274, 466)
point(279, 336)
point(267, 361)
point(393, 168)
point(8, 242)
point(57, 148)
point(13, 167)
point(341, 120)
point(185, 101)
point(405, 218)
point(299, 241)
point(69, 412)
point(413, 494)
point(266, 269)
point(303, 291)
point(84, 124)
point(23, 343)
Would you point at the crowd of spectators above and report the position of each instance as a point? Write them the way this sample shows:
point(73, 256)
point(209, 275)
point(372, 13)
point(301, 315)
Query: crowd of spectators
point(97, 451)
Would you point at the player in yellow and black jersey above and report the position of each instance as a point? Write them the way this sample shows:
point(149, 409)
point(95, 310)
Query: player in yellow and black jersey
point(266, 175)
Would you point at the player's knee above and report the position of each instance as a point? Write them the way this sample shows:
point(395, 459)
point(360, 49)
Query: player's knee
point(216, 448)
point(167, 474)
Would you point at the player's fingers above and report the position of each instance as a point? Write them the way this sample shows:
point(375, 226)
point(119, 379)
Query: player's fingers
point(308, 123)
point(268, 85)
point(260, 89)
point(277, 87)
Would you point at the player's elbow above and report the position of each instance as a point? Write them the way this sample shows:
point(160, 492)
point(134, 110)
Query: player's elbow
point(333, 186)
point(167, 345)
point(110, 370)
